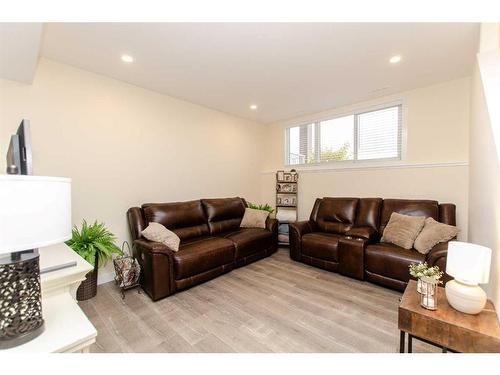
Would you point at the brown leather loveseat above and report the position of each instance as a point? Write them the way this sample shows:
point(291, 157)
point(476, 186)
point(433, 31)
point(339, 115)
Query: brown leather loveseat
point(212, 242)
point(343, 235)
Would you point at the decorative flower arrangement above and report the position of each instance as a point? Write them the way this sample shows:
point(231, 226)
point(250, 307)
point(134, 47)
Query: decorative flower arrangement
point(420, 270)
point(423, 273)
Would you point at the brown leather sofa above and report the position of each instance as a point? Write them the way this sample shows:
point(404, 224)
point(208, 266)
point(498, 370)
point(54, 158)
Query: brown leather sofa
point(212, 242)
point(343, 235)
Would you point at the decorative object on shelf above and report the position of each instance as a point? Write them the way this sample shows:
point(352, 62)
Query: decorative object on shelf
point(95, 244)
point(280, 175)
point(286, 187)
point(127, 270)
point(469, 264)
point(286, 202)
point(35, 212)
point(421, 270)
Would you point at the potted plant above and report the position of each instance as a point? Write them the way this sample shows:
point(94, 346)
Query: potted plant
point(95, 244)
point(264, 207)
point(423, 271)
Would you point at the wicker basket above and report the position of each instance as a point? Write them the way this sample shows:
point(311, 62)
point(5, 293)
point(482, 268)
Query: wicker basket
point(88, 287)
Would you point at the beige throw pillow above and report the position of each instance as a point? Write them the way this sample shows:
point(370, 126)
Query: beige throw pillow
point(254, 218)
point(432, 234)
point(158, 233)
point(402, 230)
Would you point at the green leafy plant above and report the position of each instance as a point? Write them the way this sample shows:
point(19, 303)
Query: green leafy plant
point(93, 241)
point(419, 270)
point(264, 207)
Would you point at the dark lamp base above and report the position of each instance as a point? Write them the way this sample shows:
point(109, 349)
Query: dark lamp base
point(21, 306)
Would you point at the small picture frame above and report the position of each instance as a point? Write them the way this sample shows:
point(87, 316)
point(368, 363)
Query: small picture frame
point(286, 200)
point(287, 188)
point(288, 177)
point(280, 175)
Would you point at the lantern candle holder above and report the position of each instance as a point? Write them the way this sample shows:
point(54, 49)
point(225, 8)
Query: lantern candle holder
point(428, 295)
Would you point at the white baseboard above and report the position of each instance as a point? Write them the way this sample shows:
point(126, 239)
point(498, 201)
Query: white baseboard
point(105, 277)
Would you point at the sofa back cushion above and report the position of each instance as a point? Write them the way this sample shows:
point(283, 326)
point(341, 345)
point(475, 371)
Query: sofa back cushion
point(336, 215)
point(224, 214)
point(411, 207)
point(368, 214)
point(186, 219)
point(315, 209)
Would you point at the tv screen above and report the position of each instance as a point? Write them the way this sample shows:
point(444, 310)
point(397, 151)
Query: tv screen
point(19, 160)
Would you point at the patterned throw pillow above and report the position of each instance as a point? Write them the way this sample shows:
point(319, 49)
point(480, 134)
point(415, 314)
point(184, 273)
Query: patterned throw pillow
point(158, 233)
point(433, 233)
point(402, 230)
point(254, 218)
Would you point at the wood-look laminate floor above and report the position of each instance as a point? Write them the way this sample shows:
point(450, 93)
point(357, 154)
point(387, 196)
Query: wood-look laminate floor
point(273, 305)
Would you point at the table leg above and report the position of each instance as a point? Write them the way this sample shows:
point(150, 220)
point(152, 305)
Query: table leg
point(401, 341)
point(410, 343)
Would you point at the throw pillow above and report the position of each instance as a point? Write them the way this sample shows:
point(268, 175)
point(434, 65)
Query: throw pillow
point(158, 233)
point(402, 230)
point(254, 218)
point(432, 234)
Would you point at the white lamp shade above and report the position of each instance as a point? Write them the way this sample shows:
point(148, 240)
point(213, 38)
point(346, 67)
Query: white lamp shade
point(35, 212)
point(468, 262)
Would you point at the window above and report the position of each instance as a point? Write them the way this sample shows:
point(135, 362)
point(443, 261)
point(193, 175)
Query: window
point(369, 135)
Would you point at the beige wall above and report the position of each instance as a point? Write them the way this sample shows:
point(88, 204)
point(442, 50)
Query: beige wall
point(436, 122)
point(123, 145)
point(484, 181)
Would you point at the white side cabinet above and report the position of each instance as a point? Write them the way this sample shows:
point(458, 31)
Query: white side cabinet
point(67, 329)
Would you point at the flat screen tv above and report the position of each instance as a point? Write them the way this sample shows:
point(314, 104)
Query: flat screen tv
point(19, 160)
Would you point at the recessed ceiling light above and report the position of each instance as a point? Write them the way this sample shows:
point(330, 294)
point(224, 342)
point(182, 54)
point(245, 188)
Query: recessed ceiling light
point(253, 107)
point(127, 58)
point(395, 59)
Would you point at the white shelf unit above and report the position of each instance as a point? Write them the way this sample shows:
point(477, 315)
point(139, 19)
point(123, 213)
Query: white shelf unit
point(286, 203)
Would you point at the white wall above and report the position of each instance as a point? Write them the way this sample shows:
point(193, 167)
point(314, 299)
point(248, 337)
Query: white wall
point(484, 182)
point(435, 164)
point(123, 145)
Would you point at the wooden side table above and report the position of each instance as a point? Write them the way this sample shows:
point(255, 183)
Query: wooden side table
point(446, 327)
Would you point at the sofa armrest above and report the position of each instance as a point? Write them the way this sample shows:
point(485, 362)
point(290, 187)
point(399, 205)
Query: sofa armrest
point(438, 251)
point(368, 233)
point(296, 231)
point(437, 257)
point(152, 247)
point(157, 268)
point(272, 225)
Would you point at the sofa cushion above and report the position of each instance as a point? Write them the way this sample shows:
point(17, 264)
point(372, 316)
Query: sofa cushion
point(336, 215)
point(250, 241)
point(390, 260)
point(368, 214)
point(186, 219)
point(402, 230)
point(195, 257)
point(158, 233)
point(224, 214)
point(321, 245)
point(432, 234)
point(254, 218)
point(411, 207)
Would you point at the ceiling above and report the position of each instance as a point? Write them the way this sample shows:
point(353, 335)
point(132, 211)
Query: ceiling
point(287, 69)
point(19, 49)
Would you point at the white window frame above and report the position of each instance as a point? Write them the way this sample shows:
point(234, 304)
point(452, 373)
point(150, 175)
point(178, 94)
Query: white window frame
point(355, 162)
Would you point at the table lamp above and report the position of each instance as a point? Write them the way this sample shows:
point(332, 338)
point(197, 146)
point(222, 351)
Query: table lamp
point(469, 264)
point(34, 212)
